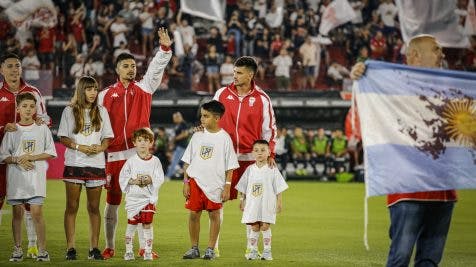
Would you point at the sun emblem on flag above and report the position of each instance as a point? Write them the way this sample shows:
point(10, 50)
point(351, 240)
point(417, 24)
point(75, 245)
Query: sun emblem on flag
point(460, 118)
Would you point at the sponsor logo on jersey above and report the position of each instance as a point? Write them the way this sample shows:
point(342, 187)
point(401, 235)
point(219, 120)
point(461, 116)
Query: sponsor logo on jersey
point(257, 189)
point(115, 95)
point(4, 99)
point(230, 97)
point(87, 129)
point(251, 101)
point(28, 146)
point(206, 152)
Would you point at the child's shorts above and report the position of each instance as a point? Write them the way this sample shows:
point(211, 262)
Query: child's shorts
point(87, 176)
point(32, 201)
point(198, 201)
point(145, 216)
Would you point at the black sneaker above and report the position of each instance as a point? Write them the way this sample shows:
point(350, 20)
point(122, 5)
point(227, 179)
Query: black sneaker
point(71, 254)
point(95, 254)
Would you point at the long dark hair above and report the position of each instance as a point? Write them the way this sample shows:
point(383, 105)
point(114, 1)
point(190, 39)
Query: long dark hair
point(79, 104)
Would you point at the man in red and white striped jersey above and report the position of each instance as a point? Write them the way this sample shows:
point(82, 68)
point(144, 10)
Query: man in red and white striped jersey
point(128, 103)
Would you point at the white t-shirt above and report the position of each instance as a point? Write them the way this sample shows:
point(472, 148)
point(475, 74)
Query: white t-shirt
point(120, 37)
point(283, 65)
point(226, 72)
point(261, 186)
point(87, 136)
point(387, 12)
point(209, 156)
point(32, 139)
point(138, 197)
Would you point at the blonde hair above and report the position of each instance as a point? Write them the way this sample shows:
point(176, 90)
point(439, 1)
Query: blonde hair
point(79, 104)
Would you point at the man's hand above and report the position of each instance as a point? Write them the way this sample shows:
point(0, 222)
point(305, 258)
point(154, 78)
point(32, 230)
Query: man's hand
point(164, 38)
point(225, 195)
point(271, 162)
point(10, 127)
point(186, 190)
point(357, 71)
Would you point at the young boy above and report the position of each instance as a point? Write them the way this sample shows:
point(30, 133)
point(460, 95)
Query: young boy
point(209, 163)
point(26, 151)
point(140, 179)
point(261, 188)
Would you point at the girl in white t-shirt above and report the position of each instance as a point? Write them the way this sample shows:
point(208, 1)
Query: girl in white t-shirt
point(260, 188)
point(85, 130)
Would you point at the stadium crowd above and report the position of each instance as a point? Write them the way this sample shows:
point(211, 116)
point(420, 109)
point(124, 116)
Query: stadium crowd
point(281, 34)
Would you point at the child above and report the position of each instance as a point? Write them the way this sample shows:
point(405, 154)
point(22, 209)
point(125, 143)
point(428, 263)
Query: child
point(140, 179)
point(261, 188)
point(85, 129)
point(26, 151)
point(209, 163)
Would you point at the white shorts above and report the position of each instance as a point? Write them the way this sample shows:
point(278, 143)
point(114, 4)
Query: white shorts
point(86, 183)
point(32, 201)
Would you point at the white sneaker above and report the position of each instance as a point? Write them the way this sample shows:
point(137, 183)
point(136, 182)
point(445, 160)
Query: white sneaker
point(17, 254)
point(43, 256)
point(253, 255)
point(148, 256)
point(129, 256)
point(267, 255)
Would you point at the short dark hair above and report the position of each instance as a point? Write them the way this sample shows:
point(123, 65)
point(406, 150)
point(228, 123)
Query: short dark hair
point(145, 133)
point(9, 55)
point(214, 107)
point(260, 142)
point(124, 56)
point(248, 62)
point(25, 96)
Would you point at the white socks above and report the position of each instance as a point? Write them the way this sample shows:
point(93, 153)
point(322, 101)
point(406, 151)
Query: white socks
point(130, 231)
point(267, 238)
point(110, 224)
point(248, 236)
point(140, 234)
point(221, 221)
point(253, 240)
point(30, 229)
point(148, 237)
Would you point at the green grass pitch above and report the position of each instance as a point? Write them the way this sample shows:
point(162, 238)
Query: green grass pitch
point(321, 225)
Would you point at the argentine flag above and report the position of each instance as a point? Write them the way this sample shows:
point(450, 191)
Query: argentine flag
point(418, 128)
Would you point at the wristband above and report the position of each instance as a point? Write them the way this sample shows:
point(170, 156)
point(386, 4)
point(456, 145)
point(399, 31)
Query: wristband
point(76, 147)
point(227, 182)
point(186, 181)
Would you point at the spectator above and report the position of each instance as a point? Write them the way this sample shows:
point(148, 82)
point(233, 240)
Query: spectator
point(308, 53)
point(147, 21)
point(69, 57)
point(121, 49)
point(180, 142)
point(378, 46)
point(31, 65)
point(46, 48)
point(276, 45)
point(226, 71)
point(282, 64)
point(338, 152)
point(213, 60)
point(235, 28)
point(77, 70)
point(77, 27)
point(118, 30)
point(320, 148)
point(388, 11)
point(282, 149)
point(186, 31)
point(274, 18)
point(337, 73)
point(215, 39)
point(363, 54)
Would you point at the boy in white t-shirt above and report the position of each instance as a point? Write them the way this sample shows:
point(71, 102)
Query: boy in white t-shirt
point(140, 180)
point(209, 163)
point(260, 188)
point(26, 151)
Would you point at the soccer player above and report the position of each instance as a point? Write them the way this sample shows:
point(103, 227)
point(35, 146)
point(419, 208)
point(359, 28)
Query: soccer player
point(13, 85)
point(209, 163)
point(26, 151)
point(140, 179)
point(85, 130)
point(129, 102)
point(261, 188)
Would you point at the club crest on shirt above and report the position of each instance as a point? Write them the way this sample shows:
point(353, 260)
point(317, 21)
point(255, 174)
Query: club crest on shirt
point(87, 129)
point(28, 146)
point(257, 189)
point(206, 152)
point(251, 101)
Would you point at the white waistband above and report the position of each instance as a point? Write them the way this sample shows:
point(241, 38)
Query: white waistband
point(120, 155)
point(245, 157)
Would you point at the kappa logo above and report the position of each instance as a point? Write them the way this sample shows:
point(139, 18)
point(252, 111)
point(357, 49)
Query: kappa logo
point(115, 95)
point(4, 99)
point(206, 152)
point(230, 97)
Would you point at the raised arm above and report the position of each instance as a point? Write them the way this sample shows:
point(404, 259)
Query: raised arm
point(153, 76)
